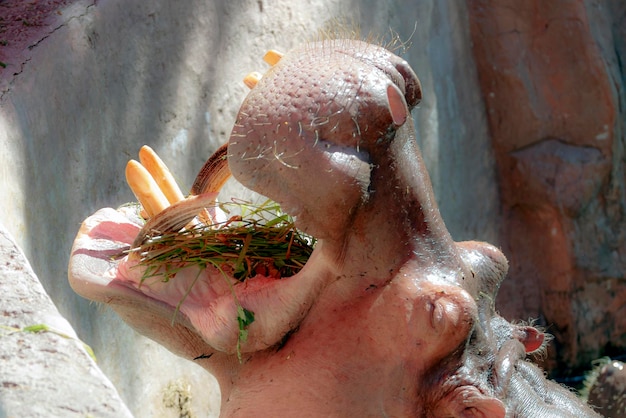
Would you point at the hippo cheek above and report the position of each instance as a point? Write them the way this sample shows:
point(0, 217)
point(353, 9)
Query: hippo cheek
point(429, 320)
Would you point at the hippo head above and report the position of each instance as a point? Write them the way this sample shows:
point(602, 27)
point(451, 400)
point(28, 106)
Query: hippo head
point(389, 317)
point(321, 126)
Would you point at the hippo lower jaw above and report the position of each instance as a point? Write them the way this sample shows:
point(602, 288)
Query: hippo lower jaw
point(212, 299)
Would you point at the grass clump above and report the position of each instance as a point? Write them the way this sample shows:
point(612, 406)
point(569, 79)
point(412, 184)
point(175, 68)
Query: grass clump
point(256, 239)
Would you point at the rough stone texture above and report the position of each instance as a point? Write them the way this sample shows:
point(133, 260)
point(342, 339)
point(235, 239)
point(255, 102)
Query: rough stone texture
point(23, 25)
point(96, 80)
point(47, 373)
point(553, 83)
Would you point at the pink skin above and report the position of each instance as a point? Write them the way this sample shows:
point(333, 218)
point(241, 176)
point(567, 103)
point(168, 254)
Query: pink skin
point(387, 296)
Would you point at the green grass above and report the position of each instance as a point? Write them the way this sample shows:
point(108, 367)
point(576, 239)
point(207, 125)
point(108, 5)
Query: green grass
point(256, 239)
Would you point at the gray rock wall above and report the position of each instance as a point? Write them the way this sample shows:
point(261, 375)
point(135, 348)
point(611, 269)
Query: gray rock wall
point(105, 77)
point(45, 370)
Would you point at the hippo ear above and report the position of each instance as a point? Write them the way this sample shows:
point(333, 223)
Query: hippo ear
point(469, 402)
point(530, 337)
point(397, 105)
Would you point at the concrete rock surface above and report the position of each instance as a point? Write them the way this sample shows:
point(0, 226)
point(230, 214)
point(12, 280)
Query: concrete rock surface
point(45, 370)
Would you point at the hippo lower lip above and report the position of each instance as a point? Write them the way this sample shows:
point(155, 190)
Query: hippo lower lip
point(192, 298)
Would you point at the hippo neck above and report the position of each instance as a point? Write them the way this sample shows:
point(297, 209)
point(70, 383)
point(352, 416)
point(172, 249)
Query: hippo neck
point(400, 220)
point(416, 205)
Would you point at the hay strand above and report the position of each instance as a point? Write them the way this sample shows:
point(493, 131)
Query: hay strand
point(256, 239)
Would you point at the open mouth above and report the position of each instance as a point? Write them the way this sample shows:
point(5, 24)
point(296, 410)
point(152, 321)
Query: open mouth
point(227, 277)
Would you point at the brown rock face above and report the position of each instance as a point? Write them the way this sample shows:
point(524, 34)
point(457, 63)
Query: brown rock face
point(553, 86)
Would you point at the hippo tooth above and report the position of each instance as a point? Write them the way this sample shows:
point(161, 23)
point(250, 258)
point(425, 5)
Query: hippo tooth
point(175, 217)
point(213, 174)
point(161, 174)
point(272, 57)
point(211, 177)
point(251, 79)
point(145, 188)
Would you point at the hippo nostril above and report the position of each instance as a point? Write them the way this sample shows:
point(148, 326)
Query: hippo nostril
point(412, 85)
point(437, 317)
point(397, 105)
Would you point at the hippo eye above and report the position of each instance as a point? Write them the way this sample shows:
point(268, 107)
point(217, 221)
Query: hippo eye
point(437, 316)
point(445, 311)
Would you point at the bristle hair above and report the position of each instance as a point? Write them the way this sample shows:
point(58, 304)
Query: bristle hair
point(347, 28)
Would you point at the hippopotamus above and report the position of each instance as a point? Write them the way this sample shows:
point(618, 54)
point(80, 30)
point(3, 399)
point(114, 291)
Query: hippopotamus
point(605, 388)
point(389, 317)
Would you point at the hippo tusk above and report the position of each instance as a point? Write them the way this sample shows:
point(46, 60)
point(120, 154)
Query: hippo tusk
point(252, 79)
point(272, 57)
point(174, 217)
point(213, 173)
point(145, 188)
point(161, 174)
point(167, 209)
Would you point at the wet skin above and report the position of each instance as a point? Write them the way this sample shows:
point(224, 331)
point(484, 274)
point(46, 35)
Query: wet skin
point(389, 317)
